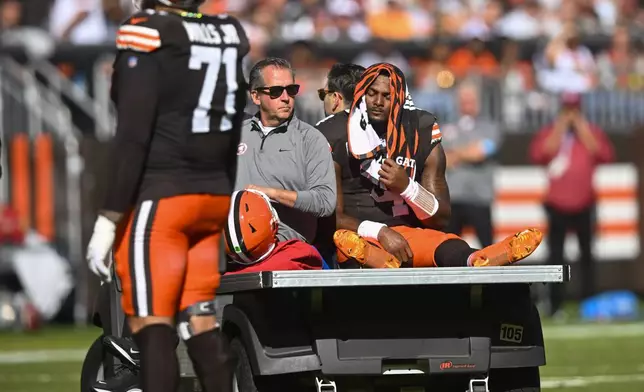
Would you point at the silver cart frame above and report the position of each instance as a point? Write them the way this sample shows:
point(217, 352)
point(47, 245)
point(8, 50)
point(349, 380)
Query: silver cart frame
point(246, 283)
point(231, 284)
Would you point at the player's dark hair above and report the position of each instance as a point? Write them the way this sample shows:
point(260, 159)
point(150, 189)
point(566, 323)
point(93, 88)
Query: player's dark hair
point(188, 5)
point(256, 79)
point(342, 78)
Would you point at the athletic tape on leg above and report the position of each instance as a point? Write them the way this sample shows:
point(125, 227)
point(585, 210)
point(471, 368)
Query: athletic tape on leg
point(204, 308)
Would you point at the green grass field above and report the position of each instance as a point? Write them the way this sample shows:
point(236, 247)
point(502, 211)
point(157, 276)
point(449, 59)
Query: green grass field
point(588, 358)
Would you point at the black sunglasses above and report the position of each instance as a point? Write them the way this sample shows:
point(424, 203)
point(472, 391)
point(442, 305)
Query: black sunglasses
point(322, 93)
point(276, 91)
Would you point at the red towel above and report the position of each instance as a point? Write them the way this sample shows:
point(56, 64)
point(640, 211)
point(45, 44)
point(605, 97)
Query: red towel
point(287, 256)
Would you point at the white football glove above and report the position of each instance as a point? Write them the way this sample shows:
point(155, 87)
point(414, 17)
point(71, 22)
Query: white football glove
point(99, 248)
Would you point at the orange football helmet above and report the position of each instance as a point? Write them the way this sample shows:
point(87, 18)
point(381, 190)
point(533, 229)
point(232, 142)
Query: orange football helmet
point(251, 232)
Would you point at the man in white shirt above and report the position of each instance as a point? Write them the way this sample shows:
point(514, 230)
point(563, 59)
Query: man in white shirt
point(80, 22)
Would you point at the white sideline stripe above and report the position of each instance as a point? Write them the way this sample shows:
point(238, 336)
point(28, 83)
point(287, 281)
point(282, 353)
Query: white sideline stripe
point(534, 177)
point(575, 371)
point(576, 332)
point(580, 332)
point(568, 332)
point(529, 214)
point(578, 382)
point(35, 356)
point(43, 378)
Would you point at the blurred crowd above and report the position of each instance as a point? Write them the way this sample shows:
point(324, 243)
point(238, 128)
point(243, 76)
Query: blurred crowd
point(460, 32)
point(355, 20)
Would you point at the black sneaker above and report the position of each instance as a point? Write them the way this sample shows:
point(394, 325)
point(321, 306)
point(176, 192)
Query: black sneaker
point(124, 349)
point(125, 380)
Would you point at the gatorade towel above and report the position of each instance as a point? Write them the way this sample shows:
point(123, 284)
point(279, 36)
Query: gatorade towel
point(610, 306)
point(287, 256)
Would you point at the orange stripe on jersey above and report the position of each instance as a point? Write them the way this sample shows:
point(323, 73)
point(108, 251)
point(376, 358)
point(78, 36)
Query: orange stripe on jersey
point(125, 45)
point(138, 38)
point(135, 21)
point(436, 133)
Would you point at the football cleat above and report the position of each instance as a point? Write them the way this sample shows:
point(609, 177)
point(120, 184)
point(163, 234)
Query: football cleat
point(512, 249)
point(352, 246)
point(125, 380)
point(124, 349)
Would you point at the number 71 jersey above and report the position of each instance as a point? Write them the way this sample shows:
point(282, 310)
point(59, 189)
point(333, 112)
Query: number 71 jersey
point(200, 96)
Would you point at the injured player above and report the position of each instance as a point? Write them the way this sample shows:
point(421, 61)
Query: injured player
point(393, 198)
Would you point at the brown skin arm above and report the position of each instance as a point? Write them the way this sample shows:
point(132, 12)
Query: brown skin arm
point(76, 20)
point(392, 241)
point(434, 180)
point(114, 216)
point(282, 196)
point(343, 221)
point(285, 197)
point(585, 133)
point(553, 142)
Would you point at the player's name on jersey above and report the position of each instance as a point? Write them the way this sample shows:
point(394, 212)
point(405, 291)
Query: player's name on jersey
point(406, 162)
point(210, 34)
point(402, 161)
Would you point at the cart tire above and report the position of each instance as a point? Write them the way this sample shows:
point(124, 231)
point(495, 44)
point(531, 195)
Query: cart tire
point(244, 379)
point(515, 380)
point(92, 369)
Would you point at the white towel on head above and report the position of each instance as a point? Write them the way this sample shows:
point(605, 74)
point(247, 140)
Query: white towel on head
point(364, 142)
point(363, 139)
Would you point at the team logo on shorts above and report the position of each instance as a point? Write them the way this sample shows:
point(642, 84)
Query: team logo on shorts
point(132, 61)
point(241, 149)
